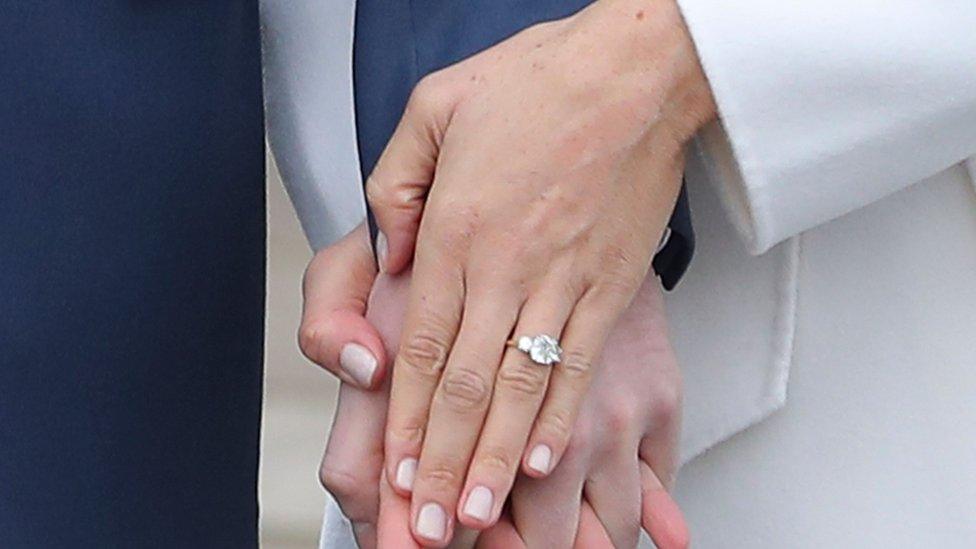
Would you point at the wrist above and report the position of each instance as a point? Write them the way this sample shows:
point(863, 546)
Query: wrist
point(649, 39)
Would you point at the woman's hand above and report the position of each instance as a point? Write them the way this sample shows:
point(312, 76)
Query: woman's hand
point(545, 168)
point(637, 390)
point(334, 332)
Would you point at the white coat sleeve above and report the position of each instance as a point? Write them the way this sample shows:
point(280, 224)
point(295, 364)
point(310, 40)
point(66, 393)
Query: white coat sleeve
point(309, 112)
point(827, 106)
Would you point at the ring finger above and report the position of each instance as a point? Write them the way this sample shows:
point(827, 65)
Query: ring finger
point(457, 412)
point(584, 335)
point(520, 388)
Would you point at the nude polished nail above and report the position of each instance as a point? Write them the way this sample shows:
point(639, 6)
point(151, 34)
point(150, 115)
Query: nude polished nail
point(358, 362)
point(431, 522)
point(406, 471)
point(479, 503)
point(540, 458)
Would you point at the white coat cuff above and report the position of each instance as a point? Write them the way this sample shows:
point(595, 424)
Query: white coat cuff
point(828, 106)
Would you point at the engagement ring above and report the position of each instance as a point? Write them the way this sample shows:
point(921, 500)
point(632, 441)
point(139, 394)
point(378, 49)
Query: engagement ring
point(542, 349)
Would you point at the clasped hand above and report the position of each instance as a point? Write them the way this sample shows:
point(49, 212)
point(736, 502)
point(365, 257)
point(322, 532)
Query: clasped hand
point(528, 185)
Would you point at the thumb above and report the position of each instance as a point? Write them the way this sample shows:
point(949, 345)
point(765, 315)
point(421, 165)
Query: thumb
point(398, 186)
point(334, 332)
point(393, 528)
point(661, 517)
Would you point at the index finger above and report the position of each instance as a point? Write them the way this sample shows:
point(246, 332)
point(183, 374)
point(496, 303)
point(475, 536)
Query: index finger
point(353, 459)
point(430, 325)
point(661, 517)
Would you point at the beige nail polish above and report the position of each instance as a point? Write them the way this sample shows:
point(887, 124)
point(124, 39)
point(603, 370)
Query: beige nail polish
point(479, 503)
point(431, 522)
point(358, 362)
point(540, 458)
point(406, 471)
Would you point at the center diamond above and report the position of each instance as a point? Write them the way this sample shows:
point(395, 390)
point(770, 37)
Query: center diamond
point(542, 349)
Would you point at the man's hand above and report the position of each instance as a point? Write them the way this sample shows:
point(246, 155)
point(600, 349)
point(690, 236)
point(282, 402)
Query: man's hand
point(637, 391)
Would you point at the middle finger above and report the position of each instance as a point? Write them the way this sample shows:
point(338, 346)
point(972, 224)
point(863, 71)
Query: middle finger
point(458, 408)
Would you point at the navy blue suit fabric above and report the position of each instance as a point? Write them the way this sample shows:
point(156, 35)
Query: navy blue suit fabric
point(398, 42)
point(132, 255)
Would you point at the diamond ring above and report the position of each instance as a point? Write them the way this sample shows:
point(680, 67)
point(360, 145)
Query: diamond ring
point(542, 349)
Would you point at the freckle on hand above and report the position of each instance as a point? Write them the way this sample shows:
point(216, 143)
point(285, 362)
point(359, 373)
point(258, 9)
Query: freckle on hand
point(640, 15)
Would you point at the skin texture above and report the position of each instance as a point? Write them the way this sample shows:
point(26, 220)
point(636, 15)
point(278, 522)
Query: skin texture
point(628, 428)
point(529, 184)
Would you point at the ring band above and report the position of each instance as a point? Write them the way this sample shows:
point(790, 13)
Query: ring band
point(543, 349)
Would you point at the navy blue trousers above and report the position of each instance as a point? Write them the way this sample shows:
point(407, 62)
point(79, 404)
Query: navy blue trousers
point(132, 239)
point(398, 42)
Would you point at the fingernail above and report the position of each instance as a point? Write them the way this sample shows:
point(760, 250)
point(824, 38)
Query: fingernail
point(539, 458)
point(358, 362)
point(382, 247)
point(431, 522)
point(405, 472)
point(478, 505)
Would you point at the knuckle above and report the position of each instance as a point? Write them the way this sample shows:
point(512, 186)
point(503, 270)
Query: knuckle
point(428, 94)
point(440, 478)
point(377, 194)
point(342, 483)
point(579, 441)
point(557, 425)
point(310, 338)
point(402, 198)
point(497, 459)
point(621, 274)
point(616, 287)
point(323, 259)
point(425, 351)
point(523, 379)
point(577, 364)
point(620, 417)
point(464, 389)
point(666, 405)
point(619, 259)
point(409, 432)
